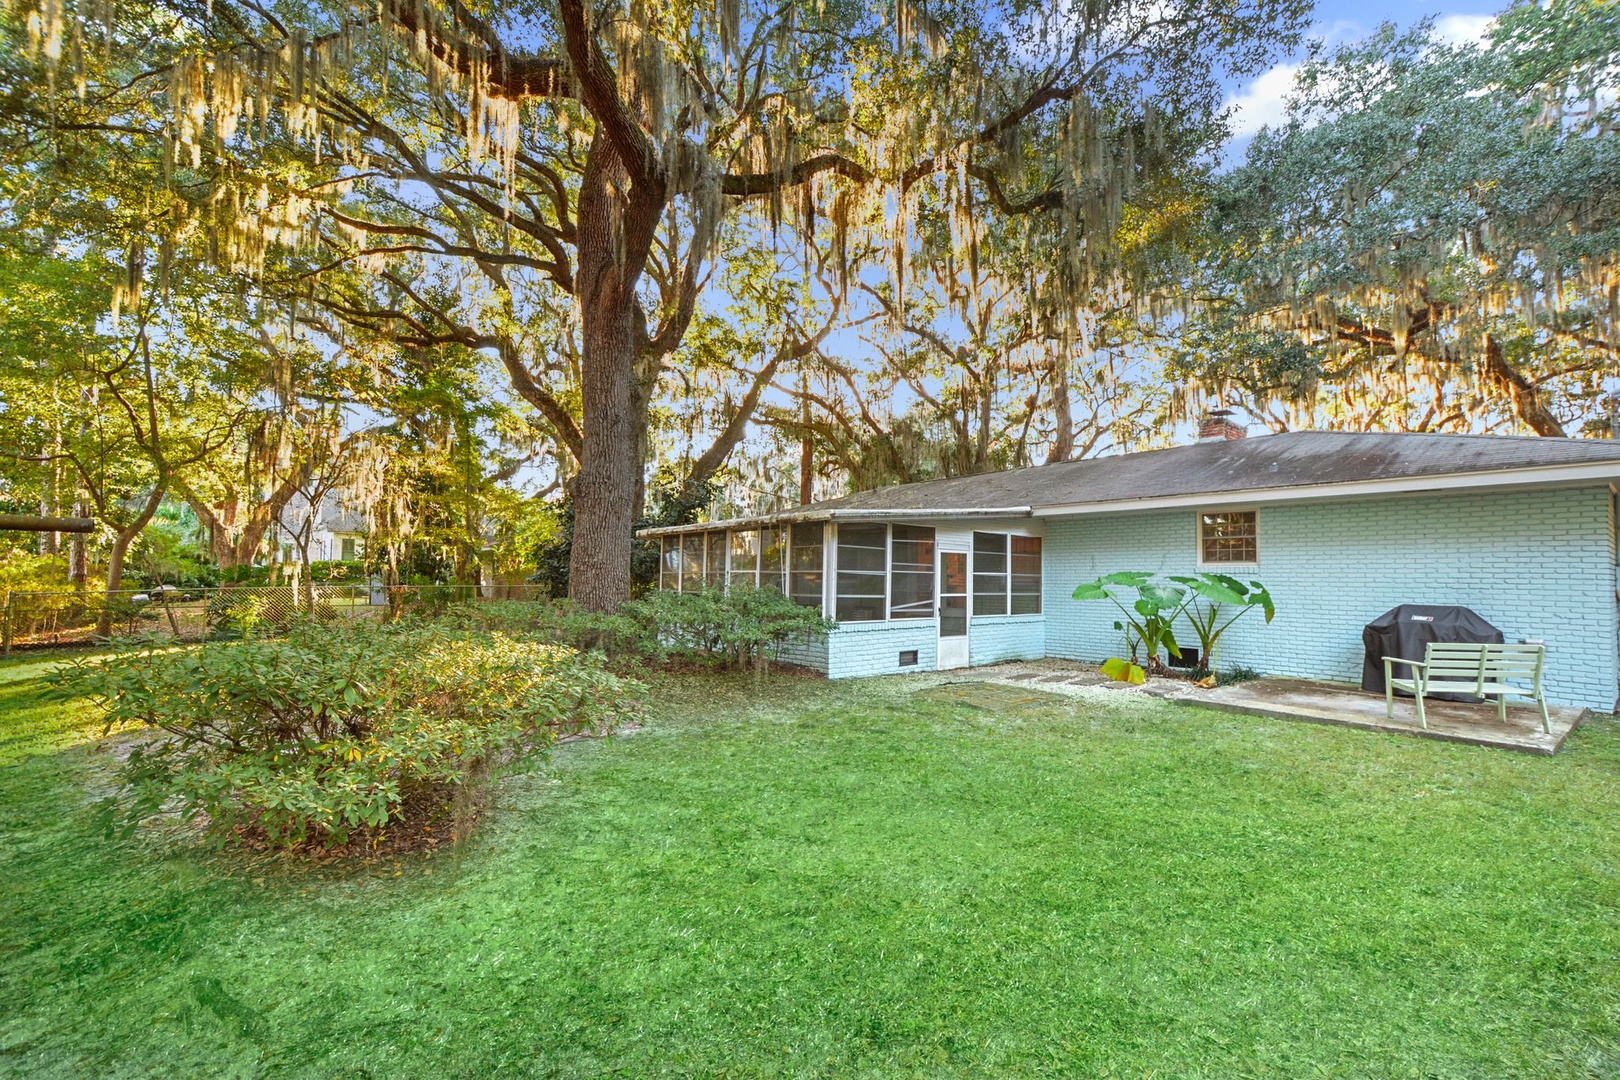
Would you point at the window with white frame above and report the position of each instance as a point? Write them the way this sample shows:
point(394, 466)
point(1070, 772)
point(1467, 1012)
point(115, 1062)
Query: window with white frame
point(669, 563)
point(1229, 538)
point(744, 557)
point(863, 563)
point(1024, 587)
point(692, 562)
point(714, 572)
point(773, 558)
point(911, 572)
point(1006, 574)
point(989, 573)
point(805, 565)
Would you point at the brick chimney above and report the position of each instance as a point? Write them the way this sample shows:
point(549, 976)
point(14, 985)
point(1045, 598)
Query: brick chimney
point(1218, 426)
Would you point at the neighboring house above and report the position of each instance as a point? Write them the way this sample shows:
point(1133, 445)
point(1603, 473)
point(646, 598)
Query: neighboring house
point(1339, 526)
point(339, 529)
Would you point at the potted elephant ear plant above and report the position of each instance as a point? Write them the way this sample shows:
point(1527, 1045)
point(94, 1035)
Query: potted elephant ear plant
point(1149, 620)
point(1218, 601)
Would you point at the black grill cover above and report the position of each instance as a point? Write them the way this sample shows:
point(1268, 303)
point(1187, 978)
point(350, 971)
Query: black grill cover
point(1405, 630)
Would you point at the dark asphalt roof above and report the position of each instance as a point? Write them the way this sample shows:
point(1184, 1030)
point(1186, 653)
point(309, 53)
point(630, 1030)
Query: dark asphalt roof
point(1294, 459)
point(1291, 460)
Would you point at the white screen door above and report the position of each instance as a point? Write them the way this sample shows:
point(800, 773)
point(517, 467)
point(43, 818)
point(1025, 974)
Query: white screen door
point(953, 610)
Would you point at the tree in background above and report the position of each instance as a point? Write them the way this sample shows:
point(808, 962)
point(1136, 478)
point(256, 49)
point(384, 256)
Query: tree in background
point(1432, 241)
point(591, 170)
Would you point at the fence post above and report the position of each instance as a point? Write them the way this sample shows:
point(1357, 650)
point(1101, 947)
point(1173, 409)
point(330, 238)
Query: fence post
point(11, 605)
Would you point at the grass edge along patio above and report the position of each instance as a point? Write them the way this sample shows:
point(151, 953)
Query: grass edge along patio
point(1340, 526)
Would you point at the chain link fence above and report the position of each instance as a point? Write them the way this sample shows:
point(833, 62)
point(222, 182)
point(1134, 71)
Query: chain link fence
point(56, 618)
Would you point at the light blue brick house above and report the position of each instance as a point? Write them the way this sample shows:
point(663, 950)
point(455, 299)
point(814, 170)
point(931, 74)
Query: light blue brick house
point(1339, 526)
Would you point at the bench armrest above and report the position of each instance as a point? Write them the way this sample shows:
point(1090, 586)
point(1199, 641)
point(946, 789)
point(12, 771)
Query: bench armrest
point(1415, 665)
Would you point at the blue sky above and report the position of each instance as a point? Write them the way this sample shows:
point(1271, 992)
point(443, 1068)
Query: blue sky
point(1260, 101)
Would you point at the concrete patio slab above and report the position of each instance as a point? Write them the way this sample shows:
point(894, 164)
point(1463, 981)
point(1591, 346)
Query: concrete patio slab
point(1315, 702)
point(1349, 706)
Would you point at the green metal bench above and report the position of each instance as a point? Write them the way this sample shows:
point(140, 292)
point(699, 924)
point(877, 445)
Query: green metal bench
point(1490, 671)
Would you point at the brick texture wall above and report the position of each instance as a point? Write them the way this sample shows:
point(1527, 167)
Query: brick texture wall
point(994, 638)
point(1535, 563)
point(874, 648)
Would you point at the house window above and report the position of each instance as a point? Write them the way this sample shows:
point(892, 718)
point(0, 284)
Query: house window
point(348, 549)
point(714, 576)
point(773, 559)
point(1230, 538)
point(911, 573)
point(1025, 596)
point(863, 559)
point(989, 573)
point(805, 561)
point(744, 556)
point(692, 562)
point(669, 563)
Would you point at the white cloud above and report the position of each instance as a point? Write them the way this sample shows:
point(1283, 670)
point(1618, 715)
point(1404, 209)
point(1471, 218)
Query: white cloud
point(1462, 29)
point(1262, 103)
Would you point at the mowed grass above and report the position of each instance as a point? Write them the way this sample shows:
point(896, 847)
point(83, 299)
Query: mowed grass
point(35, 719)
point(793, 878)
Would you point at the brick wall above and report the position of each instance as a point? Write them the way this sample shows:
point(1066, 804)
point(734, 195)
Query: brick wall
point(1534, 563)
point(874, 648)
point(994, 638)
point(810, 652)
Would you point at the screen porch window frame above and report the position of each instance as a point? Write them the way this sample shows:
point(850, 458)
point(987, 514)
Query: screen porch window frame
point(715, 543)
point(692, 545)
point(1013, 584)
point(1023, 584)
point(807, 567)
point(857, 582)
point(774, 557)
point(744, 545)
point(921, 543)
point(1226, 540)
point(669, 563)
point(989, 586)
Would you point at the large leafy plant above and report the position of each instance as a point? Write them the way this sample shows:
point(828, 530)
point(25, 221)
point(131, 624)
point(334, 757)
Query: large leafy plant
point(1148, 623)
point(1210, 602)
point(1216, 602)
point(336, 730)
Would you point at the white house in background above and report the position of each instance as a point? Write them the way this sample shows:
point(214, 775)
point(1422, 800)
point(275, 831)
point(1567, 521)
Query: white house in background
point(338, 532)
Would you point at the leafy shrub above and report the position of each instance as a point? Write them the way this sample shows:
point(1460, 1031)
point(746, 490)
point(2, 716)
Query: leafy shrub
point(25, 571)
point(336, 729)
point(560, 622)
point(743, 625)
point(1237, 673)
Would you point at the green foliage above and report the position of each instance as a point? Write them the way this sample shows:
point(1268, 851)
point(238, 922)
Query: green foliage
point(1237, 673)
point(740, 627)
point(167, 553)
point(1149, 621)
point(1427, 241)
point(25, 571)
point(1208, 609)
point(560, 622)
point(334, 728)
point(1205, 599)
point(337, 572)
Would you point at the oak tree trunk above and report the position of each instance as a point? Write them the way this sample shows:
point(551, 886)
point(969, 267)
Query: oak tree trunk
point(616, 220)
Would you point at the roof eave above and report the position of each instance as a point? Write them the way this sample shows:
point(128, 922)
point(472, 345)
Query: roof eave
point(811, 513)
point(1483, 480)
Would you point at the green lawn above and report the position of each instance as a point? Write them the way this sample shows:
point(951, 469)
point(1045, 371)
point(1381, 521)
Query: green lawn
point(802, 879)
